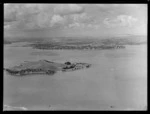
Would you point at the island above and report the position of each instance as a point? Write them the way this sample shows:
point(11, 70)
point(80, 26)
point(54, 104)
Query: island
point(44, 67)
point(52, 46)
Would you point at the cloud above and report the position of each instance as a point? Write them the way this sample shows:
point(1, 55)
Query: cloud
point(121, 20)
point(66, 9)
point(16, 12)
point(80, 17)
point(107, 5)
point(83, 25)
point(32, 16)
point(6, 26)
point(118, 5)
point(93, 26)
point(73, 25)
point(79, 20)
point(57, 19)
point(39, 16)
point(10, 12)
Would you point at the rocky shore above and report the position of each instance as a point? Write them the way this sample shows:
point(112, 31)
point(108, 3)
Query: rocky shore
point(44, 67)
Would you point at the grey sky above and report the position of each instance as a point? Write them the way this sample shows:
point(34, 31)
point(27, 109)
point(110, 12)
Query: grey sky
point(50, 20)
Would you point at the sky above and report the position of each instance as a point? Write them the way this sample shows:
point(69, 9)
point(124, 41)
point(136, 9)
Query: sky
point(74, 20)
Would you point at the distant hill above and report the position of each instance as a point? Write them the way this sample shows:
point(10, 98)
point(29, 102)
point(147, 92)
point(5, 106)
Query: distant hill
point(7, 42)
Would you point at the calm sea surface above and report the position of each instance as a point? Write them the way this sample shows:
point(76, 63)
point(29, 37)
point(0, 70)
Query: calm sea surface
point(116, 80)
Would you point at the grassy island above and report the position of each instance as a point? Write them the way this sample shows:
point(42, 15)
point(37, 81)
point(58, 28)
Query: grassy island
point(44, 67)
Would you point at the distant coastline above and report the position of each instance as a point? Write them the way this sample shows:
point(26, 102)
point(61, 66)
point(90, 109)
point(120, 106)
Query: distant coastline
point(74, 47)
point(7, 42)
point(69, 43)
point(89, 44)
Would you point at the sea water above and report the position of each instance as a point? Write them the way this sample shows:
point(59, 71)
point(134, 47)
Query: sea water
point(117, 80)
